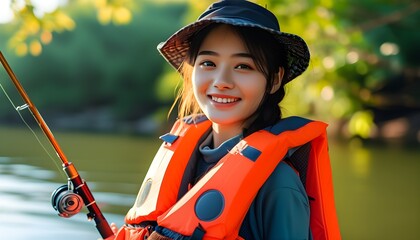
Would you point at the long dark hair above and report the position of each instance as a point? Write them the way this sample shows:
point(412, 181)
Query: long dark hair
point(269, 57)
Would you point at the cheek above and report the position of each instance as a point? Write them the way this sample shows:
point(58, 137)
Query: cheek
point(198, 84)
point(200, 78)
point(256, 89)
point(257, 97)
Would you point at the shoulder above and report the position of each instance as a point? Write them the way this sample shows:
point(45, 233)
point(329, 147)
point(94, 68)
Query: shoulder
point(283, 177)
point(282, 190)
point(281, 208)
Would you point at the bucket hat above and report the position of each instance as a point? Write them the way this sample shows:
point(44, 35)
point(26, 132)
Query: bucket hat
point(238, 13)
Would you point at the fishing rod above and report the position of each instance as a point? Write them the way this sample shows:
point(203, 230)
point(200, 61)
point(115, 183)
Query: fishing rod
point(68, 199)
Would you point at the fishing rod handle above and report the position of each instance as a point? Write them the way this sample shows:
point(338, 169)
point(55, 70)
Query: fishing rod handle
point(81, 188)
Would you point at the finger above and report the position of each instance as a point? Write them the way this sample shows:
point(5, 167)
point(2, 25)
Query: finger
point(114, 228)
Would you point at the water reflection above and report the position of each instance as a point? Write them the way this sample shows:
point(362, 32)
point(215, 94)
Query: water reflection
point(361, 161)
point(26, 211)
point(377, 188)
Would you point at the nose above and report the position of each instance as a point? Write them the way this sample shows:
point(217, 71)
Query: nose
point(223, 79)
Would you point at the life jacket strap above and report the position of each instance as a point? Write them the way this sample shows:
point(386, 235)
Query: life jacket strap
point(157, 236)
point(299, 160)
point(198, 233)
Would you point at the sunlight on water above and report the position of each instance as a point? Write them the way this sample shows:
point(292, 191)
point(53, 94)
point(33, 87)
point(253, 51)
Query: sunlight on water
point(26, 211)
point(377, 188)
point(377, 191)
point(361, 162)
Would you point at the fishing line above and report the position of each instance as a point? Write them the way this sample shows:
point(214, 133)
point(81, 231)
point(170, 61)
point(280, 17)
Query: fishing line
point(63, 199)
point(23, 107)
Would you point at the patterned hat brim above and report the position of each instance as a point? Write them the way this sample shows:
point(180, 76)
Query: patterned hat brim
point(175, 49)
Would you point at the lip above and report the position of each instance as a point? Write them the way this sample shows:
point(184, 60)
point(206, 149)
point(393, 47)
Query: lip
point(222, 99)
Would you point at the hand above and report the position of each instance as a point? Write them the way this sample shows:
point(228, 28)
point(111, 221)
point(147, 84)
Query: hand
point(114, 229)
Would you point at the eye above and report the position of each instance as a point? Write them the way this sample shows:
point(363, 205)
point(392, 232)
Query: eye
point(244, 66)
point(207, 64)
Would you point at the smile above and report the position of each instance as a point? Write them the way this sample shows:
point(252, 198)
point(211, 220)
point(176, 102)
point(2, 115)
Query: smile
point(224, 100)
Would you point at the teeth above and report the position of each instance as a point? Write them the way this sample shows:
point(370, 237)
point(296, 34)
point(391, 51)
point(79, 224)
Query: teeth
point(224, 100)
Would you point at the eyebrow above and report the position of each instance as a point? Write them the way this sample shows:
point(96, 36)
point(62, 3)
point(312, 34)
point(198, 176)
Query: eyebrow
point(241, 54)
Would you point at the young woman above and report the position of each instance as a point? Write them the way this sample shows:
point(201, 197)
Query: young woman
point(228, 168)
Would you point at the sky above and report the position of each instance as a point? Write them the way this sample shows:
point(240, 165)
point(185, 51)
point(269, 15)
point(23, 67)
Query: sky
point(5, 12)
point(41, 7)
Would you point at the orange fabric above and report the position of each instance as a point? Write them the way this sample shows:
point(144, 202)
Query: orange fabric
point(166, 173)
point(131, 233)
point(239, 193)
point(168, 168)
point(324, 222)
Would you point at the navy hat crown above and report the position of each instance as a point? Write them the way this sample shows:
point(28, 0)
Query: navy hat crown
point(241, 9)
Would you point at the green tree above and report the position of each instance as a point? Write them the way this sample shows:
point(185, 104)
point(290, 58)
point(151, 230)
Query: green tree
point(99, 65)
point(364, 67)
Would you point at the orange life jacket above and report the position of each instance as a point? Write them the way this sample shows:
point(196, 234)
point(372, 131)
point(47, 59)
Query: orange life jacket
point(219, 201)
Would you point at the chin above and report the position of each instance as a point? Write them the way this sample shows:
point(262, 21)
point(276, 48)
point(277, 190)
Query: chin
point(224, 119)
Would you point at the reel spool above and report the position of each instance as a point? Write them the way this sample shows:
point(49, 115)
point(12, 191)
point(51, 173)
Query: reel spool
point(66, 202)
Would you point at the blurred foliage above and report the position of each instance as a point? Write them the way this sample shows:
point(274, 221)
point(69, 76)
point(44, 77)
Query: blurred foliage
point(359, 49)
point(35, 28)
point(116, 11)
point(364, 68)
point(112, 67)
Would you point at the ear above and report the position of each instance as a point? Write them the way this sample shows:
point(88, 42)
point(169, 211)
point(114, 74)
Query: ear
point(277, 81)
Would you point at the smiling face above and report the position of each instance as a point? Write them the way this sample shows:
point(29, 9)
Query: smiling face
point(226, 81)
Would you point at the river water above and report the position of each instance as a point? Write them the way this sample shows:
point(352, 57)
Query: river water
point(26, 211)
point(377, 188)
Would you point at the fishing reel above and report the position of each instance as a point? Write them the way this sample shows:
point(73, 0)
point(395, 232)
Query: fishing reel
point(66, 201)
